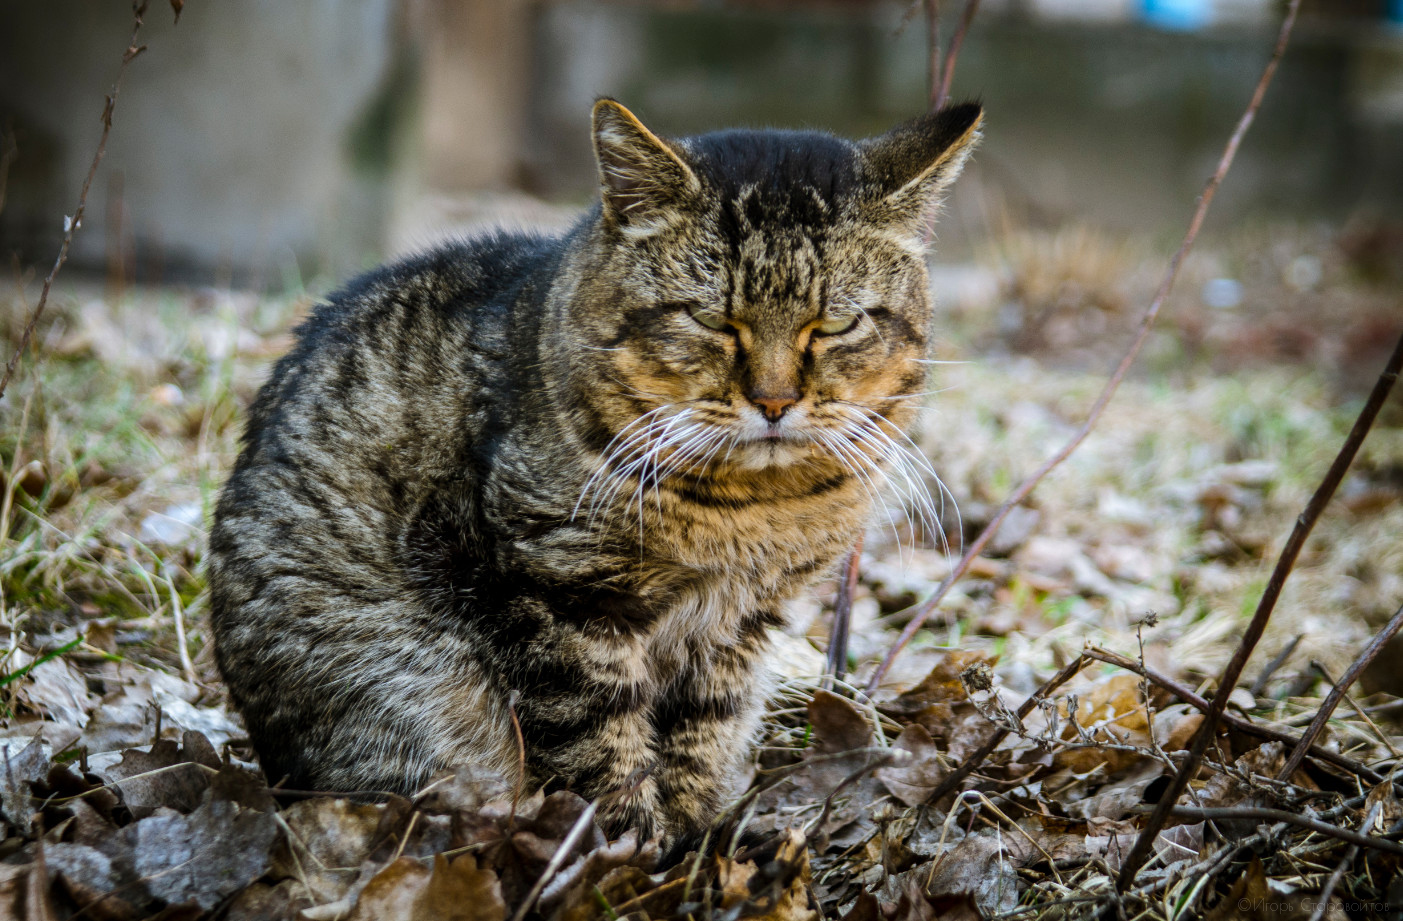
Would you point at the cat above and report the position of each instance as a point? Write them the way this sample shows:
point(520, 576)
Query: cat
point(534, 503)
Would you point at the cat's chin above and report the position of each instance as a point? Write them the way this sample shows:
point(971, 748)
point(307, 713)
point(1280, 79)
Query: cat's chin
point(767, 453)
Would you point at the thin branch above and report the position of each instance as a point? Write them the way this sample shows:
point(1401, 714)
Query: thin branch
point(1264, 814)
point(933, 68)
point(947, 76)
point(557, 860)
point(1337, 693)
point(1323, 903)
point(1304, 524)
point(1277, 661)
point(1201, 704)
point(1094, 416)
point(1361, 711)
point(71, 224)
point(843, 614)
point(8, 152)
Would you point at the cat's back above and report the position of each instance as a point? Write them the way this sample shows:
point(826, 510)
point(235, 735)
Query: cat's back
point(406, 357)
point(387, 394)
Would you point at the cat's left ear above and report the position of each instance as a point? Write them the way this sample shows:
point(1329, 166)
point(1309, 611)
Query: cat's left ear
point(643, 179)
point(909, 167)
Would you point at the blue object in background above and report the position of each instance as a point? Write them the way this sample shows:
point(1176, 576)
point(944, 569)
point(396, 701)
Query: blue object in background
point(1183, 15)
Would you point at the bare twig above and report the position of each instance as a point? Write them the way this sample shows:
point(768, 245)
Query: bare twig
point(842, 615)
point(557, 860)
point(1323, 903)
point(976, 758)
point(1277, 661)
point(1146, 324)
point(947, 75)
point(1201, 704)
point(512, 697)
point(1264, 814)
point(1360, 711)
point(1332, 700)
point(1304, 524)
point(933, 68)
point(71, 224)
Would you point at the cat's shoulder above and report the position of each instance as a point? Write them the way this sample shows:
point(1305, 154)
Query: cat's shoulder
point(453, 273)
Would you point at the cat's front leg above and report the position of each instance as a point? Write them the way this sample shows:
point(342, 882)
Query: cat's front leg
point(587, 728)
point(707, 724)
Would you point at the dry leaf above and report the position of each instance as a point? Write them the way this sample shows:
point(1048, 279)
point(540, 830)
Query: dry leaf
point(22, 767)
point(913, 780)
point(838, 725)
point(407, 890)
point(205, 856)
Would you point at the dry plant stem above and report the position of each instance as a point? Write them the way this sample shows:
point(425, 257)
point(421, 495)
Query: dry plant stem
point(1201, 704)
point(947, 76)
point(557, 860)
point(1266, 814)
point(1094, 416)
point(1361, 711)
point(977, 757)
point(933, 69)
point(1304, 524)
point(1277, 661)
point(76, 221)
point(1337, 693)
point(1328, 890)
point(843, 614)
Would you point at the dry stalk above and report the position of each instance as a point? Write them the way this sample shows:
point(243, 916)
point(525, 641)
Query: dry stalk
point(1265, 814)
point(933, 69)
point(1323, 903)
point(1277, 661)
point(941, 91)
point(1201, 704)
point(1337, 693)
point(842, 615)
point(939, 78)
point(71, 224)
point(1094, 415)
point(1304, 524)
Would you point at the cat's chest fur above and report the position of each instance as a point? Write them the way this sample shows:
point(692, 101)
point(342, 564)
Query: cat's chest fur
point(692, 564)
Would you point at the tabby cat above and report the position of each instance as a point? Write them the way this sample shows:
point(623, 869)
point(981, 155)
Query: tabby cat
point(567, 483)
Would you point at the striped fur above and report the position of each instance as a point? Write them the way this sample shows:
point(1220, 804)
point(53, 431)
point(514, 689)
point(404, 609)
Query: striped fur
point(540, 470)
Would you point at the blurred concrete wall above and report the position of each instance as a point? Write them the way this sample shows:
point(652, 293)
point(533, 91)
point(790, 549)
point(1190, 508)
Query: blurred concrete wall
point(244, 138)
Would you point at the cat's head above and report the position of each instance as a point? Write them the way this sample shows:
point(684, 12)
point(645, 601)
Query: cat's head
point(752, 300)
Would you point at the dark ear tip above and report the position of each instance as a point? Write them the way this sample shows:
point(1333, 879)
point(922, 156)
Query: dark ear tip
point(961, 116)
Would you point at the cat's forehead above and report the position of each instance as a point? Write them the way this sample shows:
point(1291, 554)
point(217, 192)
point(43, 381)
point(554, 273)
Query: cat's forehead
point(776, 177)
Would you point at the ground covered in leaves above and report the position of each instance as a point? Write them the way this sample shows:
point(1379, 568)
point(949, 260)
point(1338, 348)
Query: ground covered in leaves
point(129, 792)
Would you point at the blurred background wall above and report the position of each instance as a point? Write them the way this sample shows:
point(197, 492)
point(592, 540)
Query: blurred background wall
point(259, 142)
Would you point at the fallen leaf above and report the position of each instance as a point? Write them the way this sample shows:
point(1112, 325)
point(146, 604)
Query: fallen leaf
point(913, 780)
point(25, 766)
point(164, 776)
point(407, 890)
point(838, 725)
point(977, 867)
point(205, 856)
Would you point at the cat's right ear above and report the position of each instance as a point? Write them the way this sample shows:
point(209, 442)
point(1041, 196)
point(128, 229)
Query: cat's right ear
point(643, 180)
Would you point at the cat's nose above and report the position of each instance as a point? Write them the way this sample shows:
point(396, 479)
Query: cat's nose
point(773, 405)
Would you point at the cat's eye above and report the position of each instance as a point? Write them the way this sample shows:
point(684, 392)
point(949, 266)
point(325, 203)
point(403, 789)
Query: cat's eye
point(836, 326)
point(711, 319)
